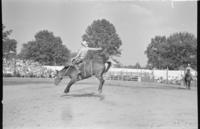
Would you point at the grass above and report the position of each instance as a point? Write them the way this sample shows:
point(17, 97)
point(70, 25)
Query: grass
point(21, 81)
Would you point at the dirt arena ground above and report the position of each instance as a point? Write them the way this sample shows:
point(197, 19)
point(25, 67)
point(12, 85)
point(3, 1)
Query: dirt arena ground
point(39, 104)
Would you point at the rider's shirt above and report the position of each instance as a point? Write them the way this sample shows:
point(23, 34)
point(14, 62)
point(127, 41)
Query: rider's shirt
point(83, 52)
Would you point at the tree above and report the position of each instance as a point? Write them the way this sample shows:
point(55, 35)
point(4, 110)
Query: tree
point(154, 51)
point(6, 33)
point(129, 66)
point(46, 49)
point(9, 45)
point(137, 65)
point(102, 33)
point(173, 52)
point(184, 47)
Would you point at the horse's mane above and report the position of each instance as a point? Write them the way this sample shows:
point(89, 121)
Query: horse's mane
point(66, 67)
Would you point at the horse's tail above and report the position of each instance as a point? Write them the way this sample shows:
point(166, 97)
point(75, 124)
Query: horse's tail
point(108, 67)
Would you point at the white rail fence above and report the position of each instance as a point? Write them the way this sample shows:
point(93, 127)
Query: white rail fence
point(162, 76)
point(29, 68)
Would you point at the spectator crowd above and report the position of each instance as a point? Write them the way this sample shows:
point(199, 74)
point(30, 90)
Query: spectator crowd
point(25, 68)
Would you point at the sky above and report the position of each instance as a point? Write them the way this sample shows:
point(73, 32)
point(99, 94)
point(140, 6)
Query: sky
point(136, 22)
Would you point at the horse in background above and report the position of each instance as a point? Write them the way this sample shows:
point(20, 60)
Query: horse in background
point(188, 78)
point(88, 68)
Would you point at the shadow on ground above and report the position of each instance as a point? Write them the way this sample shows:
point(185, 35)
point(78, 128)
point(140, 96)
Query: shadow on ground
point(94, 95)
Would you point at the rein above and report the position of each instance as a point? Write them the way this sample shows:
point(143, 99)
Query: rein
point(68, 69)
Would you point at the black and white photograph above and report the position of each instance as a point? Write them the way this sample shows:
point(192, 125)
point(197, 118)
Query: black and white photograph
point(99, 64)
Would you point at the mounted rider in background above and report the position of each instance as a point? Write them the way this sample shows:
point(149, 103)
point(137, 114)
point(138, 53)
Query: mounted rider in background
point(82, 53)
point(188, 68)
point(188, 76)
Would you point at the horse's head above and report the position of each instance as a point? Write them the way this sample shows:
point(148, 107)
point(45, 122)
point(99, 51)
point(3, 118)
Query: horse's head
point(188, 71)
point(60, 74)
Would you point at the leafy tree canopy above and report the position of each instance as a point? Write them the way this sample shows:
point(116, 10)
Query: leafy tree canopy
point(175, 51)
point(9, 45)
point(6, 33)
point(102, 33)
point(46, 49)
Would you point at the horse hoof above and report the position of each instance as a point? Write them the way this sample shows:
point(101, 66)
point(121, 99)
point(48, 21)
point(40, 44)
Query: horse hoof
point(66, 91)
point(100, 91)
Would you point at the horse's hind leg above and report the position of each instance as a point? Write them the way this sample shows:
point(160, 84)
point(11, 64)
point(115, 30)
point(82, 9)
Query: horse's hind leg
point(101, 80)
point(186, 84)
point(189, 84)
point(71, 82)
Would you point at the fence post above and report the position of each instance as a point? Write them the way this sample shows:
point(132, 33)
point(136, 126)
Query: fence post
point(167, 75)
point(153, 75)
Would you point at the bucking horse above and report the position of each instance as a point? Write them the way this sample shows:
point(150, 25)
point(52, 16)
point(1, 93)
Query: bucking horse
point(90, 67)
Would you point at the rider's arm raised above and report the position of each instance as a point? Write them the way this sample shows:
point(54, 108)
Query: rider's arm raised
point(94, 49)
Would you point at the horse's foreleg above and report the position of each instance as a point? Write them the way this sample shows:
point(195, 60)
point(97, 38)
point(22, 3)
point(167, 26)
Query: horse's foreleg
point(71, 82)
point(185, 83)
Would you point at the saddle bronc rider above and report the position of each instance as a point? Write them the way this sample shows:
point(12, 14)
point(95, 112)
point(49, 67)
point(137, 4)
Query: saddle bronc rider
point(82, 53)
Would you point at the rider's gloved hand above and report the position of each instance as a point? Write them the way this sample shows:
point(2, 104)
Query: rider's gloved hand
point(73, 59)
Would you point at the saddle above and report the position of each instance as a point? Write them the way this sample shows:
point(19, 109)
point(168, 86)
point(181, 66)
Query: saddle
point(77, 64)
